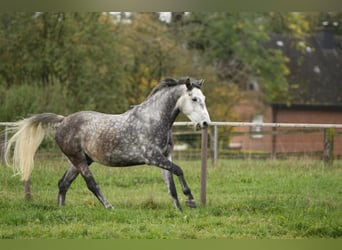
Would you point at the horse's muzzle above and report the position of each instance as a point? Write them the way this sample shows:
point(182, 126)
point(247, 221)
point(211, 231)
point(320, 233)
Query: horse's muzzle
point(203, 125)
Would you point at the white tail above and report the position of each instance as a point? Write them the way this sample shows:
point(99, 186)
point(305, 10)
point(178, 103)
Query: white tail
point(29, 134)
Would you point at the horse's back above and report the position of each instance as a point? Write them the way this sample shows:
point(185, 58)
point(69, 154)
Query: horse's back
point(78, 127)
point(101, 137)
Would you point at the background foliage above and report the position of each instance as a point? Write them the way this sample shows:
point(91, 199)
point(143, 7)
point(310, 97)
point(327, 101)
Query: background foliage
point(66, 62)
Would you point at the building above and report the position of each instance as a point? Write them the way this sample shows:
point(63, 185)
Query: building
point(315, 85)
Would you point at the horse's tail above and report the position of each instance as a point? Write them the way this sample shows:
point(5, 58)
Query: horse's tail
point(28, 135)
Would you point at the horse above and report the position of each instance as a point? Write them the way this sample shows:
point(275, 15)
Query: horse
point(141, 135)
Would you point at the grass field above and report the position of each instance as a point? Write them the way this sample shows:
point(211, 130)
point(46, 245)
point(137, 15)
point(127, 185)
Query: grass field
point(245, 199)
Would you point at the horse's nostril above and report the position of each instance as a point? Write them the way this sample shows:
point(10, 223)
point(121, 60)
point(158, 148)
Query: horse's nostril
point(205, 124)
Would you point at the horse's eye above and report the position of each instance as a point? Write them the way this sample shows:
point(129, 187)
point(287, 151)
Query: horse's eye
point(194, 99)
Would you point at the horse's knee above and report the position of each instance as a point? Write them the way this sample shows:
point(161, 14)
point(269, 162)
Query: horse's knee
point(65, 182)
point(63, 185)
point(177, 170)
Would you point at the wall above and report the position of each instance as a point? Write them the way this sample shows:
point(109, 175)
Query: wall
point(307, 142)
point(251, 105)
point(294, 140)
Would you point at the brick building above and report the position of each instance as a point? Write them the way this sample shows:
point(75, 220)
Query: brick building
point(315, 92)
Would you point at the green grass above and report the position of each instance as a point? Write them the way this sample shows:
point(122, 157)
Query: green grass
point(245, 199)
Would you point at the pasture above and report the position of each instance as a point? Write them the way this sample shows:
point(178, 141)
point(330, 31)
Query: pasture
point(245, 199)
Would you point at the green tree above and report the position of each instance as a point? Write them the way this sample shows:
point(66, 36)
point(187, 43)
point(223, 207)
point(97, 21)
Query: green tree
point(234, 44)
point(152, 52)
point(146, 44)
point(74, 53)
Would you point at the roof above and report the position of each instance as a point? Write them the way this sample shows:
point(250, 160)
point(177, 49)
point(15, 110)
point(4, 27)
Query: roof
point(315, 71)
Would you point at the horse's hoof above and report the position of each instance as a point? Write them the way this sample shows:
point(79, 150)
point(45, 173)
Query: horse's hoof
point(61, 200)
point(191, 203)
point(177, 205)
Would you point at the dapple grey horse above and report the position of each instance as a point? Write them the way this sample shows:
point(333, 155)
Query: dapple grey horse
point(142, 135)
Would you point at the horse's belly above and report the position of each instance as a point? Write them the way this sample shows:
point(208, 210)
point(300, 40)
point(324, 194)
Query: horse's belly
point(121, 159)
point(124, 161)
point(124, 164)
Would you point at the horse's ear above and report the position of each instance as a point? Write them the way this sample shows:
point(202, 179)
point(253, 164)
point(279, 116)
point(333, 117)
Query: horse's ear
point(188, 84)
point(201, 83)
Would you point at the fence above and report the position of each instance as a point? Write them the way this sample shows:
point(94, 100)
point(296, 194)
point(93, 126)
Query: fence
point(311, 140)
point(327, 141)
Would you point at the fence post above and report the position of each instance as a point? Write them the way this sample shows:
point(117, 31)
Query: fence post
point(204, 146)
point(214, 146)
point(328, 151)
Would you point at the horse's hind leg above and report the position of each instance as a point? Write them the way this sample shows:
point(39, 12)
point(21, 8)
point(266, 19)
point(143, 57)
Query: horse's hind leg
point(65, 182)
point(92, 185)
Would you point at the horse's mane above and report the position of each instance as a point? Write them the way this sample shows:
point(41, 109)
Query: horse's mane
point(170, 82)
point(165, 83)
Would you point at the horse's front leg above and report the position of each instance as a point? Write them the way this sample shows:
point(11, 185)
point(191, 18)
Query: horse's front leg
point(171, 187)
point(161, 161)
point(190, 202)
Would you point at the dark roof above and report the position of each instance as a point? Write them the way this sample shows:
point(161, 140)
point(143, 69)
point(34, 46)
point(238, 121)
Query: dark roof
point(315, 71)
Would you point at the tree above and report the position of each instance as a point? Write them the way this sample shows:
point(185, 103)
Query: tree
point(76, 52)
point(99, 62)
point(234, 44)
point(152, 52)
point(145, 43)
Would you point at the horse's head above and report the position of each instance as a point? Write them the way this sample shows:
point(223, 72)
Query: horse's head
point(192, 103)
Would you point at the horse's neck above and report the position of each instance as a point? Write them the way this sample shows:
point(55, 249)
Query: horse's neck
point(161, 108)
